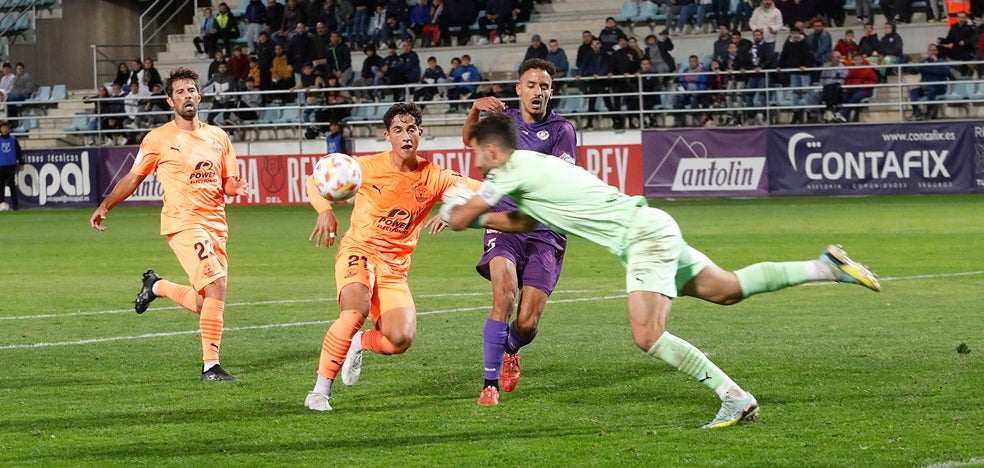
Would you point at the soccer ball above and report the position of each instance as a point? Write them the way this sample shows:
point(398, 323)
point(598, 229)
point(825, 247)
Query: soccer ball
point(338, 176)
point(4, 206)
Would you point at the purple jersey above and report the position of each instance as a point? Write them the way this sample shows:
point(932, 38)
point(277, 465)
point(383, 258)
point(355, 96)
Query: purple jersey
point(538, 255)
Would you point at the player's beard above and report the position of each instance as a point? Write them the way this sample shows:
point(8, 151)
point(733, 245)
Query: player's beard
point(187, 110)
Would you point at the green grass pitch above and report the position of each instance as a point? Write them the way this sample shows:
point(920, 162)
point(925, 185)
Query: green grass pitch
point(845, 377)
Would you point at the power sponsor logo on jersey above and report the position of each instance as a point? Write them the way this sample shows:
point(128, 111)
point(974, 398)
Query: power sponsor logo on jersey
point(398, 220)
point(203, 173)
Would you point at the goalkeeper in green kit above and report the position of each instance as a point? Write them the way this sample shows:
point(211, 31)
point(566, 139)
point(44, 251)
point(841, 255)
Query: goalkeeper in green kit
point(659, 264)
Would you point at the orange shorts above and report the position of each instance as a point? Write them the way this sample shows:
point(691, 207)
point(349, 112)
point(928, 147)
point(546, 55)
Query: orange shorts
point(202, 254)
point(388, 288)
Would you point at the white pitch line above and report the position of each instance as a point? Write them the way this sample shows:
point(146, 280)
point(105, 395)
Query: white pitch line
point(263, 327)
point(954, 464)
point(242, 304)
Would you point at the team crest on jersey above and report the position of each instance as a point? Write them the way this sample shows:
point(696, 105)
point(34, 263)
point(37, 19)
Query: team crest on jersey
point(543, 135)
point(216, 147)
point(421, 194)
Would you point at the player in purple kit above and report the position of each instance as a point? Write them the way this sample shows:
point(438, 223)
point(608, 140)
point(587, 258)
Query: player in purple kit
point(529, 263)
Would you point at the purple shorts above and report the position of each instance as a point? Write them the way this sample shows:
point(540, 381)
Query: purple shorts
point(538, 256)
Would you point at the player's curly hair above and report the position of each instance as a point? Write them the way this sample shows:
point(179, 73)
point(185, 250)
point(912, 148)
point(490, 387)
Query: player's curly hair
point(403, 108)
point(496, 129)
point(537, 64)
point(179, 74)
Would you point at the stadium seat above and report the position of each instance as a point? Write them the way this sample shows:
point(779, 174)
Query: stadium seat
point(359, 114)
point(290, 115)
point(43, 94)
point(630, 10)
point(648, 13)
point(22, 24)
point(79, 122)
point(25, 125)
point(7, 22)
point(59, 93)
point(959, 90)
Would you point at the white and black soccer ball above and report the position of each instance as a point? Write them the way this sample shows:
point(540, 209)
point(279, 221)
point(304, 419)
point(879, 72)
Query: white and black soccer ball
point(4, 206)
point(338, 176)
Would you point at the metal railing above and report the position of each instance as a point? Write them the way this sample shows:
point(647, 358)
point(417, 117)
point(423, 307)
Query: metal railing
point(284, 118)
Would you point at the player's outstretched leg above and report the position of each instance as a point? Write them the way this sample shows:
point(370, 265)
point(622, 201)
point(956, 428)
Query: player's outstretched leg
point(146, 294)
point(847, 270)
point(511, 367)
point(734, 410)
point(489, 396)
point(352, 367)
point(318, 401)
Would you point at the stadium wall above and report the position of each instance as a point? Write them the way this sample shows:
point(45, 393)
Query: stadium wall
point(779, 161)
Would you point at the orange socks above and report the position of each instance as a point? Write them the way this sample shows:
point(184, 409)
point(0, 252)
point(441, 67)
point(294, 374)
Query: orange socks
point(337, 342)
point(185, 296)
point(373, 340)
point(210, 324)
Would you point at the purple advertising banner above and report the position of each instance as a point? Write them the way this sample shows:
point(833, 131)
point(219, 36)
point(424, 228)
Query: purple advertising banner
point(978, 184)
point(872, 159)
point(116, 163)
point(58, 178)
point(704, 163)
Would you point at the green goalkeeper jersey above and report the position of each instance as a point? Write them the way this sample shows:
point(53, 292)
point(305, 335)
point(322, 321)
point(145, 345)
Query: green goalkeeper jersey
point(565, 197)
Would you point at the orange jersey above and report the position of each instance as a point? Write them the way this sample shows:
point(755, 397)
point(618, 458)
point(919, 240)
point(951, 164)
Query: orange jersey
point(191, 167)
point(391, 207)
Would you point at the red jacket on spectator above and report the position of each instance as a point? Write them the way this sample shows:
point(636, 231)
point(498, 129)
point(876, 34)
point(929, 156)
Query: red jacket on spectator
point(860, 74)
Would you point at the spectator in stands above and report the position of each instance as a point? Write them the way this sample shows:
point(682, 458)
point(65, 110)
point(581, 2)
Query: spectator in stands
point(796, 57)
point(846, 45)
point(688, 8)
point(625, 65)
point(821, 44)
point(308, 83)
point(238, 65)
point(419, 17)
point(337, 100)
point(155, 108)
point(359, 34)
point(151, 75)
point(858, 86)
point(762, 58)
point(598, 66)
point(462, 76)
point(249, 102)
point(651, 84)
point(340, 59)
point(767, 19)
point(326, 12)
point(345, 13)
point(658, 52)
point(300, 50)
point(461, 14)
point(255, 22)
point(294, 14)
point(265, 53)
point(610, 33)
point(798, 10)
point(435, 32)
point(370, 66)
point(869, 43)
point(499, 13)
point(934, 73)
point(23, 88)
point(213, 67)
point(320, 42)
point(133, 104)
point(558, 57)
point(961, 40)
point(397, 21)
point(721, 10)
point(408, 66)
point(114, 115)
point(744, 45)
point(433, 75)
point(743, 14)
point(721, 43)
point(227, 28)
point(832, 13)
point(583, 50)
point(122, 74)
point(254, 71)
point(281, 72)
point(719, 80)
point(100, 103)
point(7, 81)
point(136, 73)
point(863, 10)
point(376, 24)
point(904, 13)
point(634, 45)
point(335, 139)
point(831, 93)
point(537, 49)
point(888, 9)
point(220, 85)
point(890, 48)
point(274, 17)
point(691, 82)
point(205, 42)
point(391, 74)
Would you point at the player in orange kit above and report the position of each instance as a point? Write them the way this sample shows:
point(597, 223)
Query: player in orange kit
point(398, 191)
point(196, 165)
